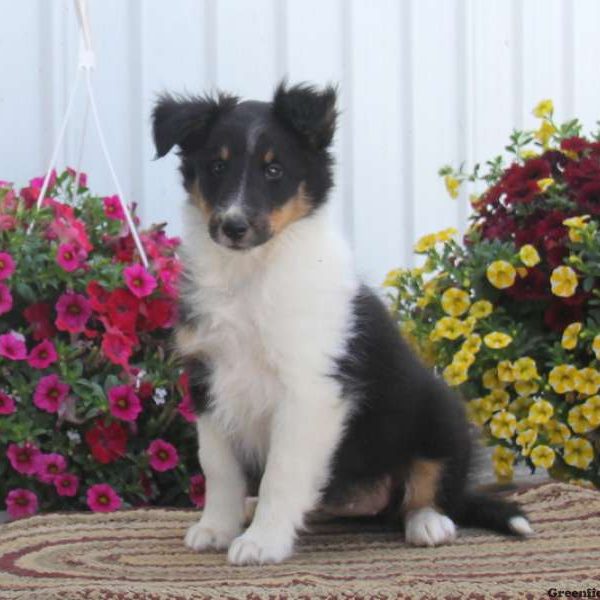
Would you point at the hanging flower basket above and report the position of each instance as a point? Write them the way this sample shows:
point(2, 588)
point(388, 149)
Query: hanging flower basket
point(93, 411)
point(511, 316)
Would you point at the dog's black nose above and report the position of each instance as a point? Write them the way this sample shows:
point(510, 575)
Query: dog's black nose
point(235, 228)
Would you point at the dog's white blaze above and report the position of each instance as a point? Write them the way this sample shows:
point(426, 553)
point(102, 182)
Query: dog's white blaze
point(521, 526)
point(273, 320)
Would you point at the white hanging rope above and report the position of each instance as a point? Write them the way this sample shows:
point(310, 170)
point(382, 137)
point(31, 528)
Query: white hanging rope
point(87, 62)
point(81, 147)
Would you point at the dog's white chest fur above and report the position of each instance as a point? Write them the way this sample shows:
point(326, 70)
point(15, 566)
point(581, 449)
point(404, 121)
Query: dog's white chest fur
point(271, 322)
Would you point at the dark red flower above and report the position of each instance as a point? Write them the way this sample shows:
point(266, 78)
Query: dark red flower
point(145, 390)
point(574, 144)
point(123, 308)
point(523, 192)
point(98, 296)
point(107, 441)
point(117, 347)
point(534, 286)
point(560, 314)
point(158, 312)
point(38, 315)
point(588, 197)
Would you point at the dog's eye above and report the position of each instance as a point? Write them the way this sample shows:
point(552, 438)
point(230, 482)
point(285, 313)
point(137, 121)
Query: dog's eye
point(217, 167)
point(273, 171)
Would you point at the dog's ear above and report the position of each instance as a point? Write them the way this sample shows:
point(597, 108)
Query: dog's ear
point(185, 121)
point(308, 112)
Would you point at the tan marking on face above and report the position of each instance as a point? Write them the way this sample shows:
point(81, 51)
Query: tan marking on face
point(422, 484)
point(187, 342)
point(224, 153)
point(269, 156)
point(295, 208)
point(199, 201)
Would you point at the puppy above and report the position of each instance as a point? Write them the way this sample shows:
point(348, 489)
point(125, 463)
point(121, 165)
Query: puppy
point(296, 369)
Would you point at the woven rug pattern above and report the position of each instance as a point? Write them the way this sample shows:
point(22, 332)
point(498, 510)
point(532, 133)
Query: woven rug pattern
point(139, 554)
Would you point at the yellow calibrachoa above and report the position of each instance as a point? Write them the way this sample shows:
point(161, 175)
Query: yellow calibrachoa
point(449, 328)
point(545, 133)
point(505, 371)
point(455, 302)
point(497, 340)
point(503, 460)
point(446, 234)
point(578, 421)
point(587, 381)
point(481, 309)
point(503, 425)
point(562, 378)
point(525, 369)
point(528, 153)
point(501, 274)
point(540, 412)
point(570, 335)
point(543, 109)
point(498, 399)
point(596, 346)
point(463, 358)
point(526, 388)
point(472, 344)
point(526, 439)
point(479, 410)
point(425, 243)
point(455, 374)
point(544, 184)
point(452, 185)
point(558, 433)
point(575, 225)
point(564, 281)
point(391, 279)
point(578, 453)
point(529, 255)
point(490, 379)
point(543, 456)
point(591, 410)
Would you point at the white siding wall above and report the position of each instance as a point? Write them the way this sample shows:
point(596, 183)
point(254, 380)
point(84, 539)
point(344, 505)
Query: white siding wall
point(423, 83)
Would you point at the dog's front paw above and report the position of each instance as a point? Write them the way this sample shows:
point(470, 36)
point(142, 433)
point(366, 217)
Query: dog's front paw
point(427, 527)
point(260, 547)
point(201, 537)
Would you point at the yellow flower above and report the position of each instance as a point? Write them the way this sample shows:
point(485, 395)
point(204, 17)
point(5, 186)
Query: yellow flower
point(526, 439)
point(498, 399)
point(503, 425)
point(569, 336)
point(529, 255)
point(505, 371)
point(545, 132)
point(455, 374)
point(543, 456)
point(540, 412)
point(481, 309)
point(449, 328)
point(562, 378)
point(474, 199)
point(578, 421)
point(524, 424)
point(425, 243)
point(472, 344)
point(452, 185)
point(463, 358)
point(544, 184)
point(503, 460)
point(578, 453)
point(469, 325)
point(587, 381)
point(576, 222)
point(526, 388)
point(525, 369)
point(391, 279)
point(591, 410)
point(497, 340)
point(575, 236)
point(521, 404)
point(543, 109)
point(490, 379)
point(564, 282)
point(455, 302)
point(446, 234)
point(596, 346)
point(558, 433)
point(527, 154)
point(479, 411)
point(501, 274)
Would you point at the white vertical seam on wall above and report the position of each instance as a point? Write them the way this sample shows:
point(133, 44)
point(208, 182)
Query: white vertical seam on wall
point(568, 58)
point(407, 125)
point(517, 63)
point(46, 95)
point(210, 43)
point(281, 38)
point(348, 138)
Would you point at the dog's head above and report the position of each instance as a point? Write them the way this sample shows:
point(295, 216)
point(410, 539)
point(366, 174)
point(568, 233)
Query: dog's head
point(251, 168)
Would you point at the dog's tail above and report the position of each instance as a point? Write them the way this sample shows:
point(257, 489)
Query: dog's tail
point(487, 512)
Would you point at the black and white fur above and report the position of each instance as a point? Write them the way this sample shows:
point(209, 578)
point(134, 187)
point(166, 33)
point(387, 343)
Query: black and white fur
point(297, 370)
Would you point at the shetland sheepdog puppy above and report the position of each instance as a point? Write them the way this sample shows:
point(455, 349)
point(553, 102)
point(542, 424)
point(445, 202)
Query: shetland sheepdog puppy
point(297, 371)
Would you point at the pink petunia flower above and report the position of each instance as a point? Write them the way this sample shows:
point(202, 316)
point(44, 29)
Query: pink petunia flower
point(139, 281)
point(22, 457)
point(21, 503)
point(197, 490)
point(186, 408)
point(103, 498)
point(113, 208)
point(6, 299)
point(7, 265)
point(12, 346)
point(73, 311)
point(70, 257)
point(50, 393)
point(7, 404)
point(66, 484)
point(48, 466)
point(163, 456)
point(123, 403)
point(82, 176)
point(42, 355)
